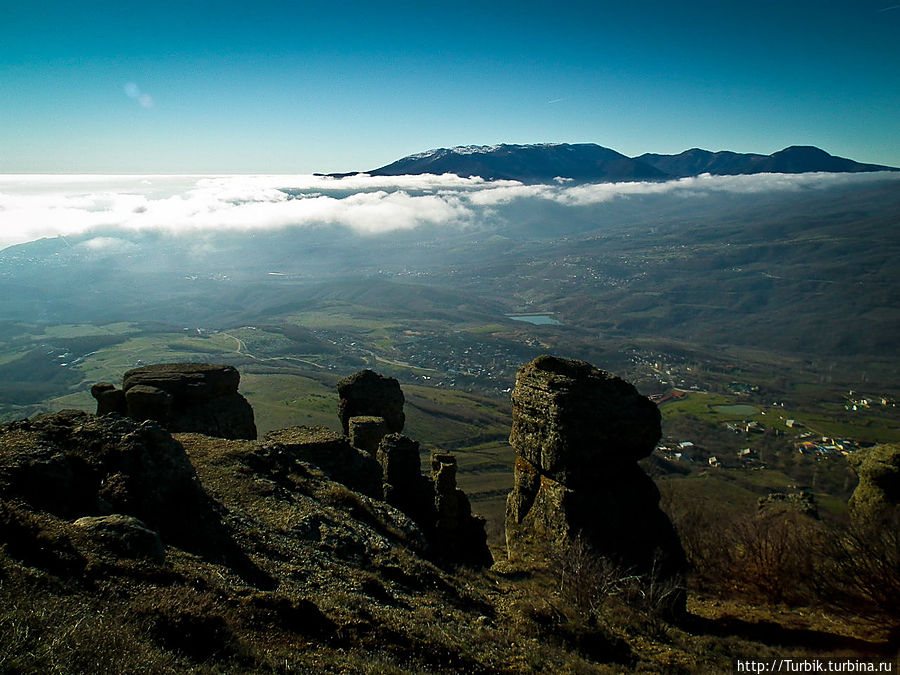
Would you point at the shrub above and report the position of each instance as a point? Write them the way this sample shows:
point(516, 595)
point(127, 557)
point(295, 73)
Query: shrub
point(589, 581)
point(860, 569)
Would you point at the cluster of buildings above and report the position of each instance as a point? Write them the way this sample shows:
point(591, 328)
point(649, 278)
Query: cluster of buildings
point(855, 401)
point(824, 446)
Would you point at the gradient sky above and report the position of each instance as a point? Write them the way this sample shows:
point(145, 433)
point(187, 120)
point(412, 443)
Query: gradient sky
point(297, 87)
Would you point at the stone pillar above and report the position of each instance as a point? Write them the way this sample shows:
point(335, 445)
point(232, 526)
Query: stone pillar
point(366, 433)
point(368, 393)
point(446, 503)
point(402, 482)
point(578, 433)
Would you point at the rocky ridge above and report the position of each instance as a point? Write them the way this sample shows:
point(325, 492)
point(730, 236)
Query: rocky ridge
point(592, 163)
point(140, 549)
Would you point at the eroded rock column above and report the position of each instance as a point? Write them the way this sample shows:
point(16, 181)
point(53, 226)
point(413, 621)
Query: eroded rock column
point(367, 393)
point(578, 433)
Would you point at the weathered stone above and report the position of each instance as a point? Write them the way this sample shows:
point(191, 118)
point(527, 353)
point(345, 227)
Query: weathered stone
point(109, 398)
point(183, 397)
point(371, 406)
point(399, 459)
point(331, 452)
point(72, 464)
point(570, 419)
point(403, 485)
point(443, 476)
point(122, 535)
point(187, 382)
point(459, 535)
point(877, 497)
point(144, 402)
point(366, 433)
point(229, 416)
point(367, 393)
point(578, 433)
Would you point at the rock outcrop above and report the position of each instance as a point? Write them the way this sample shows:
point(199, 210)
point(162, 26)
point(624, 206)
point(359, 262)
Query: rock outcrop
point(459, 534)
point(329, 451)
point(371, 412)
point(367, 393)
point(877, 497)
point(127, 485)
point(403, 484)
point(578, 433)
point(366, 433)
point(182, 397)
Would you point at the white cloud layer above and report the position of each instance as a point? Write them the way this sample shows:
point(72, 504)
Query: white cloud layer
point(37, 206)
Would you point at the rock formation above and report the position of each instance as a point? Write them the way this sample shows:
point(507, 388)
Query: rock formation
point(329, 451)
point(366, 433)
point(182, 397)
point(458, 533)
point(367, 393)
point(371, 406)
point(403, 484)
point(578, 433)
point(121, 481)
point(877, 497)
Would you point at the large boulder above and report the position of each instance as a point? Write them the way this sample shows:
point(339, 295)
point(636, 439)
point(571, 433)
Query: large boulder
point(187, 382)
point(182, 397)
point(73, 465)
point(578, 433)
point(367, 393)
point(877, 497)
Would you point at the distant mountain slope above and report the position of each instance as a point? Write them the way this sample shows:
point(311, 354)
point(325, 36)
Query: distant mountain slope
point(695, 161)
point(592, 163)
point(526, 163)
point(795, 159)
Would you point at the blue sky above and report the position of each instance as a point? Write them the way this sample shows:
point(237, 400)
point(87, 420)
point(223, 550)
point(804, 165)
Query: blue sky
point(296, 87)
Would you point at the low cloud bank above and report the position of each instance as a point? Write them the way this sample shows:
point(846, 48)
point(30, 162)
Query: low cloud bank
point(33, 207)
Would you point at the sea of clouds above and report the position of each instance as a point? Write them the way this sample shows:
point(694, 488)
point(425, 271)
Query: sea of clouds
point(37, 206)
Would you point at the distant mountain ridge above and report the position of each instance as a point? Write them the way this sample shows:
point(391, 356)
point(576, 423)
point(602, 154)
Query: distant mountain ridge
point(795, 159)
point(527, 163)
point(589, 162)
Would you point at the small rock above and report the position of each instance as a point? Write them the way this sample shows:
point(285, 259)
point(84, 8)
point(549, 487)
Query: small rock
point(123, 535)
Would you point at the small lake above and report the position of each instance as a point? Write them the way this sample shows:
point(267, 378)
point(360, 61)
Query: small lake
point(536, 319)
point(741, 409)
